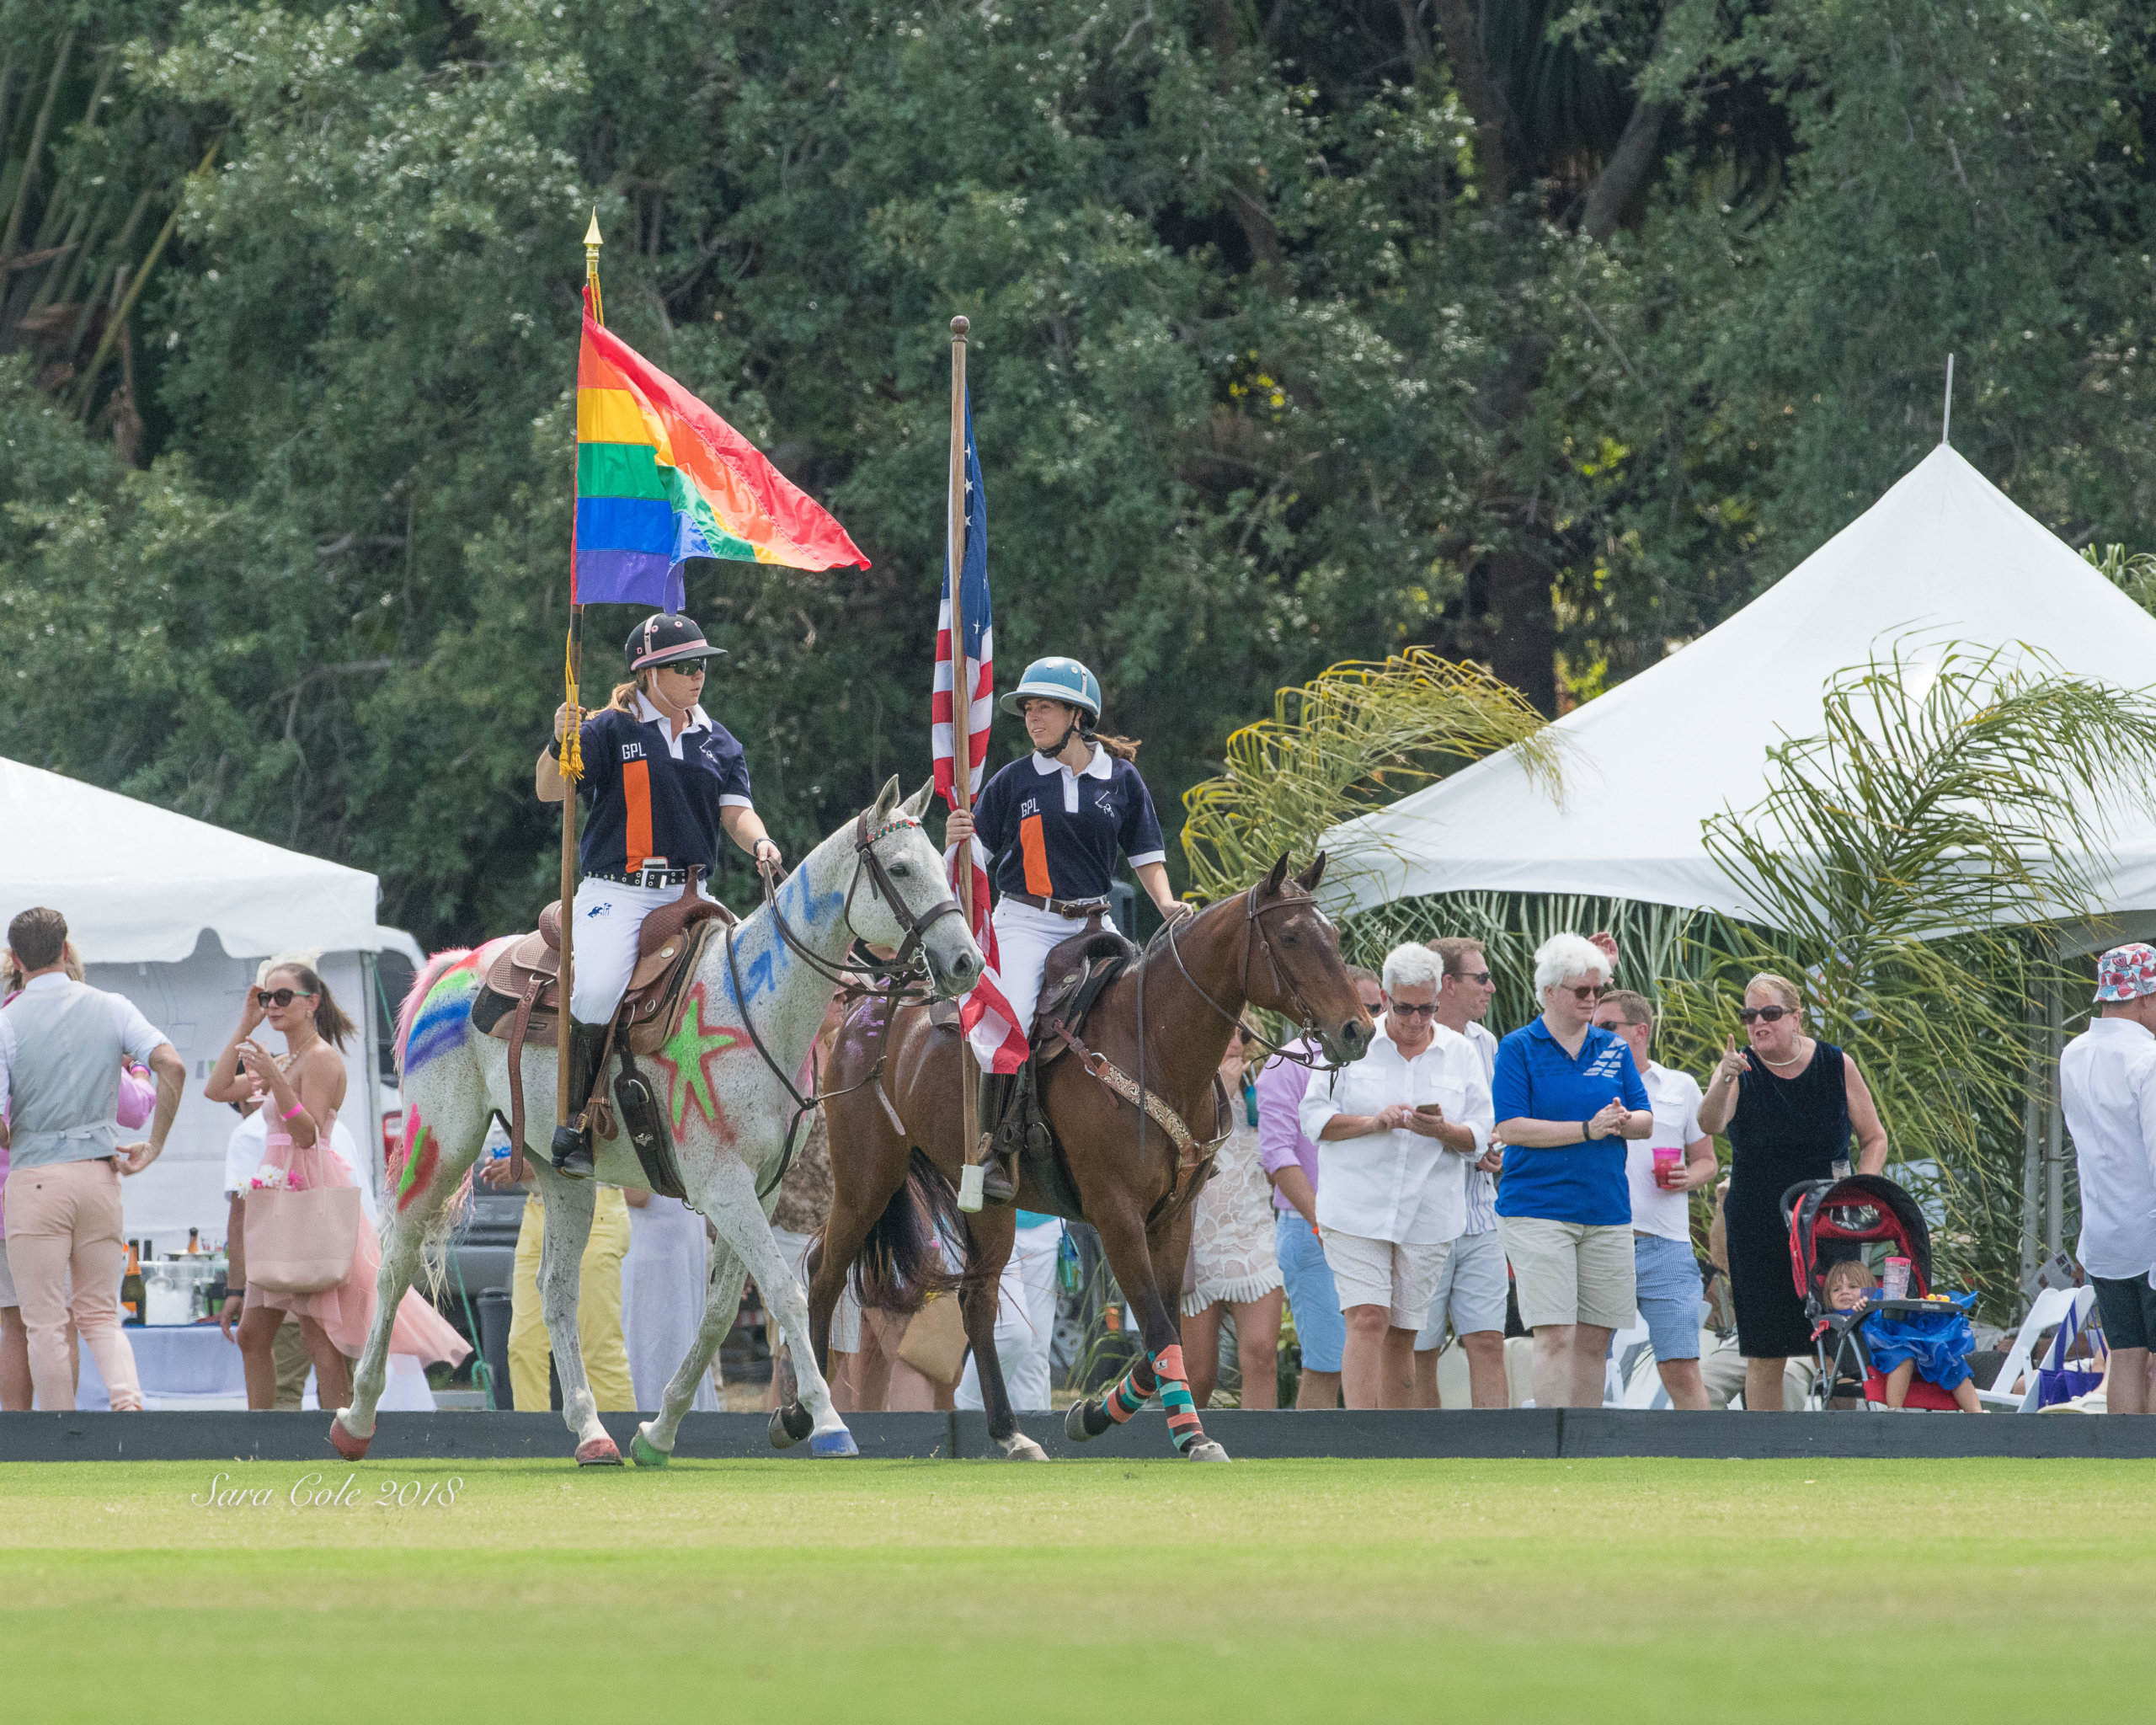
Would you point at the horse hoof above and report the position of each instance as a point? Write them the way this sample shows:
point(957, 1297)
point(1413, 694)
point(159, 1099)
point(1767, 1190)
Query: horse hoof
point(790, 1425)
point(1074, 1423)
point(1018, 1447)
point(645, 1453)
point(351, 1448)
point(1205, 1449)
point(833, 1444)
point(599, 1452)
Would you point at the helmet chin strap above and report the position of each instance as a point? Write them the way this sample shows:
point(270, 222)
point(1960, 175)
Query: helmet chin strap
point(1076, 727)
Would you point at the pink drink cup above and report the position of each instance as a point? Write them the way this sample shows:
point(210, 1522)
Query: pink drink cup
point(1665, 1162)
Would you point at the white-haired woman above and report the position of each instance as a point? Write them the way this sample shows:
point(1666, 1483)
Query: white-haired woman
point(1395, 1135)
point(1567, 1095)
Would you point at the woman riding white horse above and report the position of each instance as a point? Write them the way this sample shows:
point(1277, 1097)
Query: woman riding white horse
point(1055, 820)
point(665, 780)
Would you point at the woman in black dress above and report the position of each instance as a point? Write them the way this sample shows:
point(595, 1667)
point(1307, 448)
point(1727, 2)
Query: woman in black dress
point(1790, 1105)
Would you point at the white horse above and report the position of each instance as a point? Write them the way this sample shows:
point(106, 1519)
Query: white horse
point(879, 878)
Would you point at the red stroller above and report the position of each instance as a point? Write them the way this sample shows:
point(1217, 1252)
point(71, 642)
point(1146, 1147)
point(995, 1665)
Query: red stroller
point(1849, 1214)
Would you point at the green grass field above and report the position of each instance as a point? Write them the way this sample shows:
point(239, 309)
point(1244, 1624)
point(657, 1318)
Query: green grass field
point(1283, 1590)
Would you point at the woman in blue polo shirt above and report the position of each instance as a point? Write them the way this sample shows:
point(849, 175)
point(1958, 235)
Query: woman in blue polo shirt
point(665, 781)
point(1567, 1095)
point(1054, 823)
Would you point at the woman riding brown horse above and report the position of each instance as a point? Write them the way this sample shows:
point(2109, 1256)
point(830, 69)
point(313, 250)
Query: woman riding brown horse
point(1269, 947)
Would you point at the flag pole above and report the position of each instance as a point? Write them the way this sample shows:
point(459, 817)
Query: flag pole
point(961, 751)
point(572, 760)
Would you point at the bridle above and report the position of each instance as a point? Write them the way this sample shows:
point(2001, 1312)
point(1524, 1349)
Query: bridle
point(1255, 936)
point(903, 976)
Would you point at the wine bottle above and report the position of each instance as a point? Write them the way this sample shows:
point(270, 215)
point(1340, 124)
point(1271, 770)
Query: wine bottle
point(133, 1303)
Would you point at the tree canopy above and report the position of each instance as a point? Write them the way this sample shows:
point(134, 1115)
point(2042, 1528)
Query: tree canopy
point(1538, 335)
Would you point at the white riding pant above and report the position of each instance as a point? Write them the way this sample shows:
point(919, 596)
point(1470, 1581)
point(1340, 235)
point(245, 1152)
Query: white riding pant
point(1025, 1319)
point(1024, 937)
point(609, 918)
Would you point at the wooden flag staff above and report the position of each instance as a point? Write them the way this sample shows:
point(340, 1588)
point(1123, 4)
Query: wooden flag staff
point(572, 762)
point(962, 741)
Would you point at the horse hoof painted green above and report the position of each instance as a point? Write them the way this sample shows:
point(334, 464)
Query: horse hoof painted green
point(790, 1425)
point(645, 1453)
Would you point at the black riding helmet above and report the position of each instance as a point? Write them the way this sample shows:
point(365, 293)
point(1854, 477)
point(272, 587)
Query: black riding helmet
point(667, 639)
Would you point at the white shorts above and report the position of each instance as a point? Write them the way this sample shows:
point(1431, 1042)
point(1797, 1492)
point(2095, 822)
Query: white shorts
point(1385, 1272)
point(1470, 1291)
point(1571, 1273)
point(608, 919)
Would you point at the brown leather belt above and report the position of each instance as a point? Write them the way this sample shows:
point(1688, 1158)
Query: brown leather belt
point(1076, 910)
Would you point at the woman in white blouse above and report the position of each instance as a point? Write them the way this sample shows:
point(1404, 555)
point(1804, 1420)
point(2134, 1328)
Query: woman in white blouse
point(1396, 1133)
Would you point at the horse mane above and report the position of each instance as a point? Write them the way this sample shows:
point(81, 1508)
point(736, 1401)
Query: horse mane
point(429, 974)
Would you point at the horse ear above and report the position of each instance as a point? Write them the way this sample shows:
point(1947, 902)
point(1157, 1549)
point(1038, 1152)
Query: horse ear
point(1270, 886)
point(1309, 878)
point(885, 802)
point(918, 802)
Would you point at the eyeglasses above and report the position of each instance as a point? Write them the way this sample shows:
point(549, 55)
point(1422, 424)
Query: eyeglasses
point(1773, 1015)
point(279, 997)
point(1401, 1009)
point(1593, 991)
point(1478, 978)
point(685, 667)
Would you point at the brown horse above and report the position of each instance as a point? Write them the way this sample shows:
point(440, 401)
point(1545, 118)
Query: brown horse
point(1269, 947)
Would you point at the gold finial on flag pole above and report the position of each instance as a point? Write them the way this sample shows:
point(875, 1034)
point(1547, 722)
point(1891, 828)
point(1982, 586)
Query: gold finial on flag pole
point(592, 243)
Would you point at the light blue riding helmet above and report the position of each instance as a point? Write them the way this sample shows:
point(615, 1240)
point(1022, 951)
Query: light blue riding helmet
point(1062, 679)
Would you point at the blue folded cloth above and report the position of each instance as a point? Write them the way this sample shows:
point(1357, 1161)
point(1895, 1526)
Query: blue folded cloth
point(1940, 1342)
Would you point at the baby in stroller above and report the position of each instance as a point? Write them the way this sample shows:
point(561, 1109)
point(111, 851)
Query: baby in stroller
point(1905, 1346)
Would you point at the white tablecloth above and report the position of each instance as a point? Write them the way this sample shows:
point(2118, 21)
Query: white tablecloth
point(193, 1366)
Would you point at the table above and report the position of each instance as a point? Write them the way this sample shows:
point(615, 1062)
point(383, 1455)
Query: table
point(193, 1366)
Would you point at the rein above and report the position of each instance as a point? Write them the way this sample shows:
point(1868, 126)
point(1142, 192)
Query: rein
point(903, 977)
point(1254, 916)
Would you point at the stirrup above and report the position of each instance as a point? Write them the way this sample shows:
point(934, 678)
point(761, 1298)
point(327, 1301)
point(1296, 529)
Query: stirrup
point(573, 1158)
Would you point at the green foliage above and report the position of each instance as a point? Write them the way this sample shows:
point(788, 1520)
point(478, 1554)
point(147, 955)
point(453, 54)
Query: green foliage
point(1349, 741)
point(1271, 366)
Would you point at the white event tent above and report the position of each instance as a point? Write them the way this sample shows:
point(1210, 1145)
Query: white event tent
point(175, 914)
point(1944, 556)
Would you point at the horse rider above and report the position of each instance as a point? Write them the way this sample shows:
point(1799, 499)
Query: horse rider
point(664, 779)
point(1054, 822)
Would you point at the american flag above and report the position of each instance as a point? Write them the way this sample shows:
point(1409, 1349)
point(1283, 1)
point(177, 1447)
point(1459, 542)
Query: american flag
point(999, 1043)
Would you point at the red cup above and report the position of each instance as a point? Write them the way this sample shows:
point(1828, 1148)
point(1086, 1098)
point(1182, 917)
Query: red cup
point(1665, 1163)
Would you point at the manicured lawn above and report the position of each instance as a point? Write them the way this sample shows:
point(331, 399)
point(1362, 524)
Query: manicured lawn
point(1310, 1591)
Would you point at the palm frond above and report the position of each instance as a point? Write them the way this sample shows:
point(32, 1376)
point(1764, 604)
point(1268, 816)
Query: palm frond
point(1358, 735)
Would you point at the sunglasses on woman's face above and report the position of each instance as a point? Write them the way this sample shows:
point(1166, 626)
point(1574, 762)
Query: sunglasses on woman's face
point(278, 997)
point(1773, 1015)
point(685, 667)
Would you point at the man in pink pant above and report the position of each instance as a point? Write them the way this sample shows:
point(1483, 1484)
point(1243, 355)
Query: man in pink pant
point(61, 1044)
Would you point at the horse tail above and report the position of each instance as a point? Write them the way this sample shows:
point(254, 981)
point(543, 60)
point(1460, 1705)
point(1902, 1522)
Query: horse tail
point(430, 973)
point(901, 1267)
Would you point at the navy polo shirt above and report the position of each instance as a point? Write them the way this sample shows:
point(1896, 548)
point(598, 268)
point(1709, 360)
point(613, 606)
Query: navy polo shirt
point(1057, 831)
point(655, 795)
point(1536, 1080)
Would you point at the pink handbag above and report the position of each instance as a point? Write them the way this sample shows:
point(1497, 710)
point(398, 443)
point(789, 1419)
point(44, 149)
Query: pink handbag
point(301, 1242)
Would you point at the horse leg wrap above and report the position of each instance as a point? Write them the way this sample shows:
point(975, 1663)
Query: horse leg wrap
point(1176, 1399)
point(1127, 1397)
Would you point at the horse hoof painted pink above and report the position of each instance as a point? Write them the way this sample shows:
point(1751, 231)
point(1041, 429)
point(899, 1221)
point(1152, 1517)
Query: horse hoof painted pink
point(755, 1004)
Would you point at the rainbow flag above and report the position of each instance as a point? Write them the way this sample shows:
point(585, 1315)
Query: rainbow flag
point(661, 478)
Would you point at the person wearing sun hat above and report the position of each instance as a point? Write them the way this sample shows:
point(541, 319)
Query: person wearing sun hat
point(2107, 1084)
point(665, 781)
point(1055, 820)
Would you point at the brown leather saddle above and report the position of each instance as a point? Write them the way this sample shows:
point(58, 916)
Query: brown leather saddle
point(520, 1004)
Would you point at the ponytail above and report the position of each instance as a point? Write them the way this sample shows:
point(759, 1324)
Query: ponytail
point(330, 1023)
point(1121, 748)
point(624, 698)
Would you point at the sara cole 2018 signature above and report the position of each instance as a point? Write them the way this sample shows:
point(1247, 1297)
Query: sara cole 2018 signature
point(311, 1491)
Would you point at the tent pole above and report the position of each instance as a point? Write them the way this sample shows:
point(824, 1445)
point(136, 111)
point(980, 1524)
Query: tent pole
point(2032, 1139)
point(1946, 413)
point(2054, 1124)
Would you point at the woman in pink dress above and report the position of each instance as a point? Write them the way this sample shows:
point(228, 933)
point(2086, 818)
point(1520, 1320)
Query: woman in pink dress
point(299, 1095)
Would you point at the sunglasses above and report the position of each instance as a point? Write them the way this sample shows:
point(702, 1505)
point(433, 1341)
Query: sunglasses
point(279, 997)
point(1400, 1010)
point(1593, 991)
point(1773, 1015)
point(685, 667)
point(1477, 977)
